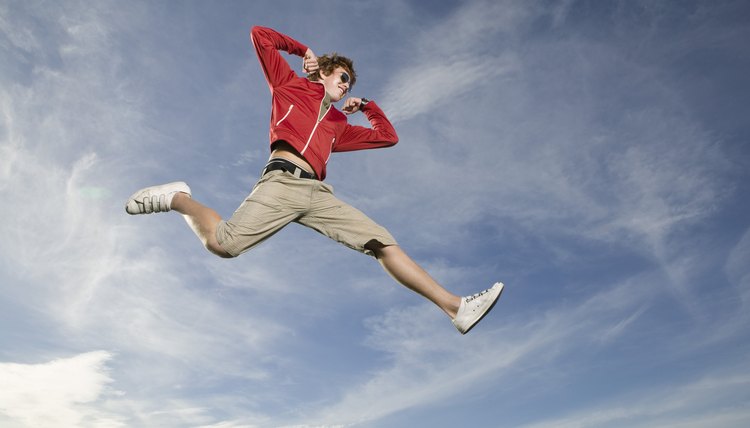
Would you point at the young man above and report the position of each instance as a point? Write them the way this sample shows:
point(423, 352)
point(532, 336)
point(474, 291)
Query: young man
point(305, 129)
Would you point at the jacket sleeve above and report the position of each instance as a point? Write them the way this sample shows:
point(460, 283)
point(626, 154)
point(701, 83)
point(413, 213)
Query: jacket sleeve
point(268, 43)
point(382, 133)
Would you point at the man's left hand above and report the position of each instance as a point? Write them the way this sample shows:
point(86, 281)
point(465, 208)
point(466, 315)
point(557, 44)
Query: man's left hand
point(351, 105)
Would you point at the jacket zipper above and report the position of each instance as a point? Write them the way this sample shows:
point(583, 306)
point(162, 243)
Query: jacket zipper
point(333, 141)
point(287, 114)
point(314, 128)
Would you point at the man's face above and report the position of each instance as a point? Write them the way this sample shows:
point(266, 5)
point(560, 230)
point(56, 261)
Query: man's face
point(336, 83)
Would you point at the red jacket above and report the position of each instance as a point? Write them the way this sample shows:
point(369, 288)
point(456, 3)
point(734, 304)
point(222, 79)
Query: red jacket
point(298, 103)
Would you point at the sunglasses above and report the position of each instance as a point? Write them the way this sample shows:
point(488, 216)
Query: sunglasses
point(345, 77)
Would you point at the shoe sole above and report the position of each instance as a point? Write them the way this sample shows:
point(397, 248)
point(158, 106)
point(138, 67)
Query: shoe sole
point(489, 308)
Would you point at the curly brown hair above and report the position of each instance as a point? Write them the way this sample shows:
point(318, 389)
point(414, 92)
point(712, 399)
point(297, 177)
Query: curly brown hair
point(330, 62)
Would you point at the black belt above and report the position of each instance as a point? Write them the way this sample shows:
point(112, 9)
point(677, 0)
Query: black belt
point(277, 164)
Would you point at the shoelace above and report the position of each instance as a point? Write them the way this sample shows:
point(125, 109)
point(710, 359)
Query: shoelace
point(474, 296)
point(154, 204)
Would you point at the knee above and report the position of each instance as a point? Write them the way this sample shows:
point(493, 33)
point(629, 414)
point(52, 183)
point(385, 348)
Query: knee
point(211, 242)
point(380, 250)
point(218, 250)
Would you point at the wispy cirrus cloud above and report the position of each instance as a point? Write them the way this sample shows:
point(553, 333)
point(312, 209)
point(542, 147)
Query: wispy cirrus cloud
point(439, 82)
point(428, 366)
point(708, 401)
point(453, 58)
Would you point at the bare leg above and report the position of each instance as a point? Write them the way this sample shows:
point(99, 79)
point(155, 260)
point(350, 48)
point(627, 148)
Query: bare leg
point(202, 219)
point(407, 272)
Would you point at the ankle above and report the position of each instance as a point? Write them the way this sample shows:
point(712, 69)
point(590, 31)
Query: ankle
point(178, 200)
point(452, 308)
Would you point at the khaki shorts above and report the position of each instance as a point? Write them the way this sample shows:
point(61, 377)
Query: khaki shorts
point(280, 198)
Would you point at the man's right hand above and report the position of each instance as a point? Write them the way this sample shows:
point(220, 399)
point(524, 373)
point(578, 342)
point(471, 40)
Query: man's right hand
point(310, 62)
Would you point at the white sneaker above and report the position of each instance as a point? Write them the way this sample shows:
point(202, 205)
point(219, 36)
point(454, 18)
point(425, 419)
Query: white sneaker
point(474, 308)
point(155, 199)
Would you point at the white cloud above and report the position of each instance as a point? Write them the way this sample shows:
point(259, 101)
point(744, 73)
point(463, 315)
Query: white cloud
point(63, 393)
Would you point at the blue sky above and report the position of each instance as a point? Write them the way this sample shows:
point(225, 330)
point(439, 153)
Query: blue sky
point(592, 155)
